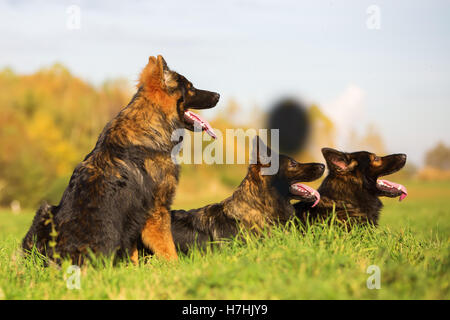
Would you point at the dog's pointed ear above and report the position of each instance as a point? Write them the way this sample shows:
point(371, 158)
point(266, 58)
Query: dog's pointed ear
point(337, 161)
point(151, 61)
point(261, 152)
point(153, 74)
point(162, 64)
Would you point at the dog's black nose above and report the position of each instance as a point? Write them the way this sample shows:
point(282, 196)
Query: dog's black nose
point(216, 97)
point(403, 156)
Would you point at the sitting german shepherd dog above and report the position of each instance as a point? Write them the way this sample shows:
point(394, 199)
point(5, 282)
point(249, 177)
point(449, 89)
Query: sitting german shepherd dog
point(353, 187)
point(127, 182)
point(260, 200)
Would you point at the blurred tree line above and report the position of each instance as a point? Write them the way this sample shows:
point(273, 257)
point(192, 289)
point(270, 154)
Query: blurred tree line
point(437, 163)
point(49, 121)
point(438, 157)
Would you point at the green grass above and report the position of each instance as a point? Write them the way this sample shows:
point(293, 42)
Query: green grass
point(411, 248)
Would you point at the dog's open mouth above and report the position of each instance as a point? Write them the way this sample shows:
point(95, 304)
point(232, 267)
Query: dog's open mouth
point(392, 189)
point(198, 123)
point(305, 193)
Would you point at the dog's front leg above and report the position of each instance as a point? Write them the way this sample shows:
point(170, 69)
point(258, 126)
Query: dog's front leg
point(157, 235)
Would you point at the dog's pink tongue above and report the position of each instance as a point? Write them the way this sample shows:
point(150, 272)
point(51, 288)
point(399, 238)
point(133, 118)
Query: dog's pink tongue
point(396, 186)
point(302, 189)
point(196, 120)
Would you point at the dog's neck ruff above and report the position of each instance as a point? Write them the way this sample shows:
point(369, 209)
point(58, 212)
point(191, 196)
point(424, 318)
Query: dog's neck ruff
point(258, 204)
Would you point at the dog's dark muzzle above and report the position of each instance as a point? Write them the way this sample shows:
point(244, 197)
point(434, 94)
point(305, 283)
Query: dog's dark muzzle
point(392, 163)
point(309, 172)
point(201, 99)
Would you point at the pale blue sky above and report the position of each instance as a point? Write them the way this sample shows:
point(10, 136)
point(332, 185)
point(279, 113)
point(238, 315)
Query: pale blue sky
point(397, 77)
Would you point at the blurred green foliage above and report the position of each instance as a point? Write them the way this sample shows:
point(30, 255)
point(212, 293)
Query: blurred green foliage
point(48, 121)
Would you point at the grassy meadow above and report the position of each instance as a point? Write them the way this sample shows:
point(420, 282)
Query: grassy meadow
point(411, 248)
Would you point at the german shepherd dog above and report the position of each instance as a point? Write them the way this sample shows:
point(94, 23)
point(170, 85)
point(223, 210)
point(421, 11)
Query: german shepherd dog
point(353, 187)
point(124, 187)
point(259, 200)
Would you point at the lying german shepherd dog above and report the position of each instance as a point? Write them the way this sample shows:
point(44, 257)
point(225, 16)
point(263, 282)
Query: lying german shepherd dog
point(260, 200)
point(353, 187)
point(127, 182)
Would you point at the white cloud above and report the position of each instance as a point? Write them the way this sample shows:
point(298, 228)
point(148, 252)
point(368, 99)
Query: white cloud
point(347, 112)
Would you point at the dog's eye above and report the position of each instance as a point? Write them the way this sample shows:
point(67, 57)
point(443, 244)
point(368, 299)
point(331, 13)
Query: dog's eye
point(376, 159)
